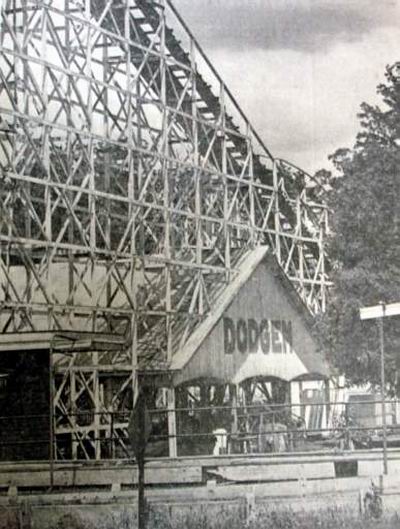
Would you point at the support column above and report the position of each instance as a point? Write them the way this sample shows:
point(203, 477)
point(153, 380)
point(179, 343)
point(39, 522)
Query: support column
point(73, 418)
point(234, 403)
point(327, 404)
point(295, 400)
point(97, 407)
point(172, 444)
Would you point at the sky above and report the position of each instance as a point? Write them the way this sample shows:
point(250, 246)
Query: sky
point(299, 68)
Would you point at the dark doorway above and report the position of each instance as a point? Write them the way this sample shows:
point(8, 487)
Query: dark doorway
point(24, 405)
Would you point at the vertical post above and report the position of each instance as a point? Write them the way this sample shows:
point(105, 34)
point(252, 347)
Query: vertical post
point(173, 452)
point(322, 259)
point(72, 280)
point(168, 181)
point(224, 169)
point(384, 430)
point(327, 403)
point(140, 457)
point(235, 423)
point(197, 174)
point(260, 435)
point(295, 399)
point(51, 418)
point(73, 417)
point(112, 434)
point(97, 406)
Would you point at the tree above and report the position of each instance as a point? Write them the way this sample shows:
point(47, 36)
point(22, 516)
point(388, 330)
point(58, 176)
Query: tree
point(364, 244)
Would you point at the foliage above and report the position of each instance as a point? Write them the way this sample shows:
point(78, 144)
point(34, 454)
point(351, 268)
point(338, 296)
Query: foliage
point(364, 241)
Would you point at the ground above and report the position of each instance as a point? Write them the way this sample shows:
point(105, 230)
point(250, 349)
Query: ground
point(285, 518)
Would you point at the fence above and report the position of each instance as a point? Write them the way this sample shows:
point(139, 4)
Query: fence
point(212, 430)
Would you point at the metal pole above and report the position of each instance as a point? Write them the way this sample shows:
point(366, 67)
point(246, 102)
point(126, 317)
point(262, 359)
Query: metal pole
point(384, 430)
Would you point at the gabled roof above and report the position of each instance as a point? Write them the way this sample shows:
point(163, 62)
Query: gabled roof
point(207, 341)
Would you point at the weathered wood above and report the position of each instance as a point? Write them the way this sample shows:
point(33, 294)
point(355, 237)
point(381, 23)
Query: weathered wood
point(275, 467)
point(172, 443)
point(246, 333)
point(202, 494)
point(284, 472)
point(366, 468)
point(77, 477)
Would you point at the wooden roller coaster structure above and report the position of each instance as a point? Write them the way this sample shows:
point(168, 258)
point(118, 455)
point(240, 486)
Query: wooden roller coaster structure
point(131, 187)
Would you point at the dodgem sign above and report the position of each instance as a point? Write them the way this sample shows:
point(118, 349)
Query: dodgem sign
point(248, 336)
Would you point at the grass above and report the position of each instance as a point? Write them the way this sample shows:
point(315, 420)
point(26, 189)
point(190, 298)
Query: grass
point(266, 518)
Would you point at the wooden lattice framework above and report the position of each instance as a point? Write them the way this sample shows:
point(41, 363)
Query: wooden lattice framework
point(131, 185)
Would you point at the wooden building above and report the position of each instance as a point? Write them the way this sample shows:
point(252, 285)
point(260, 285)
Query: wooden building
point(248, 367)
point(251, 369)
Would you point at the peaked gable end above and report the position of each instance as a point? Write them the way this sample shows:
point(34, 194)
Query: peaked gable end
point(262, 332)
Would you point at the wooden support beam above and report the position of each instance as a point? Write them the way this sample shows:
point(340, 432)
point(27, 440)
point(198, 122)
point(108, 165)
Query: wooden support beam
point(172, 429)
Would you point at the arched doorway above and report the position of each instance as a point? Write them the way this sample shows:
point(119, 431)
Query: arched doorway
point(254, 416)
point(203, 407)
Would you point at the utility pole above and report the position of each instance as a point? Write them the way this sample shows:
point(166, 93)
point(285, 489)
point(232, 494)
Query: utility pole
point(384, 429)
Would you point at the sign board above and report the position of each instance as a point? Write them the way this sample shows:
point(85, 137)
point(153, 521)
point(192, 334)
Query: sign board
point(380, 311)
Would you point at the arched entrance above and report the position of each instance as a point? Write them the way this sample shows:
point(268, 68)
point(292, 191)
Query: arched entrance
point(253, 416)
point(203, 406)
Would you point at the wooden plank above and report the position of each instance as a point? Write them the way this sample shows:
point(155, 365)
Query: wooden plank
point(379, 311)
point(370, 468)
point(285, 472)
point(72, 477)
point(295, 490)
point(172, 444)
point(210, 460)
point(252, 468)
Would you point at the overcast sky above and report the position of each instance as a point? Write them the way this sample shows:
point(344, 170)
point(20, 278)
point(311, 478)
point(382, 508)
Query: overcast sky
point(299, 68)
